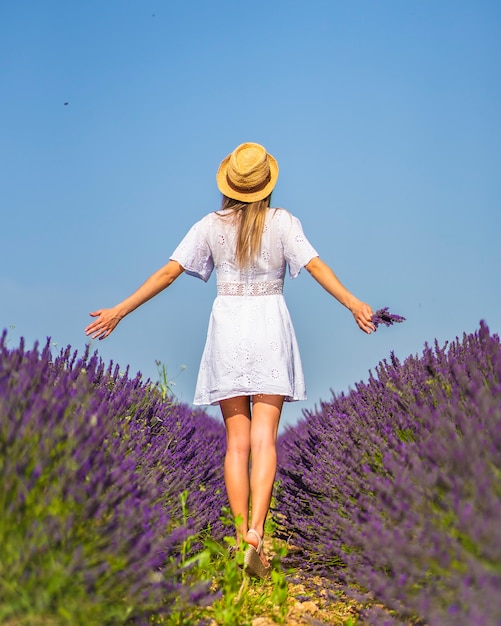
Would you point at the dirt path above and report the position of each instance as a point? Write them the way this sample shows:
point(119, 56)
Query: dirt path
point(314, 601)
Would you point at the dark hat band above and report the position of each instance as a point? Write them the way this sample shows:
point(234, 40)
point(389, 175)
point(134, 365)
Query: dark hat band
point(254, 189)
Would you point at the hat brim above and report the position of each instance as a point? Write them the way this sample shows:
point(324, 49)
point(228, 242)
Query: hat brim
point(229, 192)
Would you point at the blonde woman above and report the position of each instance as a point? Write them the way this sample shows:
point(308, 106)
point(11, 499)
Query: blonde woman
point(251, 362)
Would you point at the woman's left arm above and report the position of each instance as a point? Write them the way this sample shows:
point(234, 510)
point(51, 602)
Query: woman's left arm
point(324, 275)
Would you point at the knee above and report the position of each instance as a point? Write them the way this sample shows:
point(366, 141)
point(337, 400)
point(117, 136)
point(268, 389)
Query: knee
point(264, 443)
point(238, 447)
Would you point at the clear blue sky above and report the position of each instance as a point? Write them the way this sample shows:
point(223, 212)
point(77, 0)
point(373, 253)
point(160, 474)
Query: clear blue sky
point(384, 117)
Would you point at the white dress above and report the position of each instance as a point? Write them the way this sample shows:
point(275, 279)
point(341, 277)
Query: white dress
point(251, 346)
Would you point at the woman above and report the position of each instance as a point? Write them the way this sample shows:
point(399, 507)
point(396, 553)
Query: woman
point(251, 362)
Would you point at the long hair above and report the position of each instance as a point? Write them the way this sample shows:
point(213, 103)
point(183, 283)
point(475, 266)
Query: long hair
point(251, 217)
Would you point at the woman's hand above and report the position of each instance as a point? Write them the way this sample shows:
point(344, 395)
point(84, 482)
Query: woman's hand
point(107, 320)
point(363, 316)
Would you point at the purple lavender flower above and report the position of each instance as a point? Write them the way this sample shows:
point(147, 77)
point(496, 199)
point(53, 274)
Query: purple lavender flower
point(394, 487)
point(93, 464)
point(383, 316)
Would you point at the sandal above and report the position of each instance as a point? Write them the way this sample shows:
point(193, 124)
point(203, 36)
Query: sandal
point(253, 565)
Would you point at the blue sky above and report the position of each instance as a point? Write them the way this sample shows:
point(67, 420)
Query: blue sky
point(384, 118)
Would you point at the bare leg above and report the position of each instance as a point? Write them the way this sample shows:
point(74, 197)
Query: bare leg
point(266, 411)
point(237, 419)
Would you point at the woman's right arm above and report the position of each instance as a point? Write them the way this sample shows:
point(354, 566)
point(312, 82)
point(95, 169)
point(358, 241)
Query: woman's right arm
point(323, 274)
point(108, 319)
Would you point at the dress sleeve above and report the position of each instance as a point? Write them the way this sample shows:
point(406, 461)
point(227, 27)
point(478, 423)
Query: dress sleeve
point(194, 253)
point(297, 249)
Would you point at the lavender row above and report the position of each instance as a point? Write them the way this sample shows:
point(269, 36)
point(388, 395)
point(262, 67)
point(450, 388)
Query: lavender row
point(93, 465)
point(394, 487)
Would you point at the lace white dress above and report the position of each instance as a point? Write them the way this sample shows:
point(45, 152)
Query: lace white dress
point(251, 345)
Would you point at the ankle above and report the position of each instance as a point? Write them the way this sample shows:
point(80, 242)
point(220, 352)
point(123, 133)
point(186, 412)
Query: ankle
point(258, 528)
point(241, 537)
point(254, 538)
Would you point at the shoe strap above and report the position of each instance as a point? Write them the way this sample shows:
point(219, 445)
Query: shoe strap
point(259, 539)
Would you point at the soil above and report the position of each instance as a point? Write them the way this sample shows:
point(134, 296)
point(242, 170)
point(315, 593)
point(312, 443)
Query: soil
point(315, 602)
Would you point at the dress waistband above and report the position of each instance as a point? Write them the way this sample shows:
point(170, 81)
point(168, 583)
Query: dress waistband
point(266, 288)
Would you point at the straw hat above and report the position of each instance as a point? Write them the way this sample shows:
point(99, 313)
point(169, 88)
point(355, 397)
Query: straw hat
point(249, 173)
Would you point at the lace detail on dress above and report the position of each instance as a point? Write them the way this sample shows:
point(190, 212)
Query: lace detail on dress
point(265, 288)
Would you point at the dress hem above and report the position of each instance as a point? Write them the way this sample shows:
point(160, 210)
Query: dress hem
point(287, 398)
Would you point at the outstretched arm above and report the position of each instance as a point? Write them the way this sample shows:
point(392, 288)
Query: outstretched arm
point(108, 319)
point(323, 274)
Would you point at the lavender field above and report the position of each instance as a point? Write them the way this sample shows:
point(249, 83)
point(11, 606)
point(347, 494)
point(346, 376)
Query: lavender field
point(94, 466)
point(394, 489)
point(110, 492)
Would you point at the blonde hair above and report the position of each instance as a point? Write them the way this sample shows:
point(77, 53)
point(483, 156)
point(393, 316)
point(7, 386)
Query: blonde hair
point(251, 217)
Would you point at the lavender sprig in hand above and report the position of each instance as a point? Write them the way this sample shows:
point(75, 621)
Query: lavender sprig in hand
point(383, 316)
